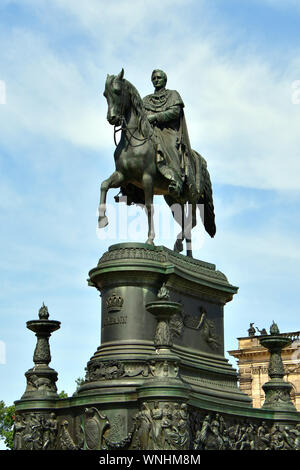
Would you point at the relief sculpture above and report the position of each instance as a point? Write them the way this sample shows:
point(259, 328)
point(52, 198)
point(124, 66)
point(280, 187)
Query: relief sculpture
point(162, 425)
point(203, 325)
point(35, 431)
point(215, 432)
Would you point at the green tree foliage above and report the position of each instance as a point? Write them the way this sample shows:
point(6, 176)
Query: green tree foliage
point(6, 424)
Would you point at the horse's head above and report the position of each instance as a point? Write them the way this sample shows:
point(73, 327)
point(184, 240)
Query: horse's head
point(116, 100)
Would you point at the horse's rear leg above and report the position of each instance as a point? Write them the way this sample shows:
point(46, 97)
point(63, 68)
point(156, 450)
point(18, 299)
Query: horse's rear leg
point(189, 223)
point(114, 181)
point(148, 190)
point(177, 213)
point(178, 245)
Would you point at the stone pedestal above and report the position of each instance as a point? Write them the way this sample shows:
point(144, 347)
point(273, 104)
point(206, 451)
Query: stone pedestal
point(277, 391)
point(41, 379)
point(159, 378)
point(129, 277)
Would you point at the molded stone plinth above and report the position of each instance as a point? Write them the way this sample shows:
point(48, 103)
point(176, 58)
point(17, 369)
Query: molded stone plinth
point(277, 391)
point(41, 379)
point(159, 379)
point(129, 277)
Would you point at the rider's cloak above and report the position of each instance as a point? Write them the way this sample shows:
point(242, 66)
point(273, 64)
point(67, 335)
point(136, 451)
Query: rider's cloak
point(174, 156)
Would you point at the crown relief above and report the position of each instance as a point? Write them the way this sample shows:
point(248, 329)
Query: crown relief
point(114, 303)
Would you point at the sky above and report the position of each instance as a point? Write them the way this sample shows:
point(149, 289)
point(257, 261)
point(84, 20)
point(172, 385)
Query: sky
point(236, 65)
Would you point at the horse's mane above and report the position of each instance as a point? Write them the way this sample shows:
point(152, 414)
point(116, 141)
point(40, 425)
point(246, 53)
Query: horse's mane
point(137, 103)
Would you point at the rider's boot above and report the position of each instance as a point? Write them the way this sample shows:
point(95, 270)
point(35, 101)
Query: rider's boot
point(175, 188)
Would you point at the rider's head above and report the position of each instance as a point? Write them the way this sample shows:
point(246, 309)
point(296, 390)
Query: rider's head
point(159, 79)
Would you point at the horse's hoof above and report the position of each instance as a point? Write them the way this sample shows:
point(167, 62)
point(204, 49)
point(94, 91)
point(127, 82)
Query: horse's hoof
point(178, 247)
point(102, 221)
point(150, 241)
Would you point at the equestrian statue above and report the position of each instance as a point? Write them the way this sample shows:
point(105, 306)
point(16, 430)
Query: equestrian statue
point(154, 157)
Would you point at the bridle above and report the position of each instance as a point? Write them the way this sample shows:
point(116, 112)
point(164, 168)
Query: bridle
point(124, 127)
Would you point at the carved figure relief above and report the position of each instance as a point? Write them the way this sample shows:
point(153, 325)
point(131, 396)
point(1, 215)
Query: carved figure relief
point(296, 436)
point(35, 431)
point(276, 367)
point(158, 425)
point(33, 434)
point(19, 427)
point(50, 432)
point(163, 293)
point(100, 370)
point(163, 335)
point(105, 370)
point(214, 432)
point(176, 325)
point(65, 439)
point(162, 425)
point(203, 324)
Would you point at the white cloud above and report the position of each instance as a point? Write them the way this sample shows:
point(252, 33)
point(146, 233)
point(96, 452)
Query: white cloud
point(118, 18)
point(238, 102)
point(241, 112)
point(48, 96)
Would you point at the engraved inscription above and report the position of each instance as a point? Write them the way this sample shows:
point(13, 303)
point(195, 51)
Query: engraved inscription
point(112, 320)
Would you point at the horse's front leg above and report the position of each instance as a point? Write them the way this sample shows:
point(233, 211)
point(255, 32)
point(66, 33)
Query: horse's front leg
point(114, 181)
point(148, 190)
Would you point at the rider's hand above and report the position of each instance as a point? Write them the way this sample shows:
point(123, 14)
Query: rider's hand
point(151, 118)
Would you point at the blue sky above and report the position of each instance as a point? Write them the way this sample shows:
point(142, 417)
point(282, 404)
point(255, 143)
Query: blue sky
point(234, 64)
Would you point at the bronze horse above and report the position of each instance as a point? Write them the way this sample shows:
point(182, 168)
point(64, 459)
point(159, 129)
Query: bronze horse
point(136, 171)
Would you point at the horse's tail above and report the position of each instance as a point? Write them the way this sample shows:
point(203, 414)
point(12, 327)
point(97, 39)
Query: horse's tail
point(206, 196)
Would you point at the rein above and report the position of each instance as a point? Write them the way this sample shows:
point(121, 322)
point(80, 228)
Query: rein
point(125, 128)
point(115, 132)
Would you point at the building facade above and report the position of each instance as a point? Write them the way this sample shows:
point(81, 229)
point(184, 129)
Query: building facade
point(253, 359)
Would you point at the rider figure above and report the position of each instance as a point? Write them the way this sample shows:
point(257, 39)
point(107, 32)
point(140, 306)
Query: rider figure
point(164, 110)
